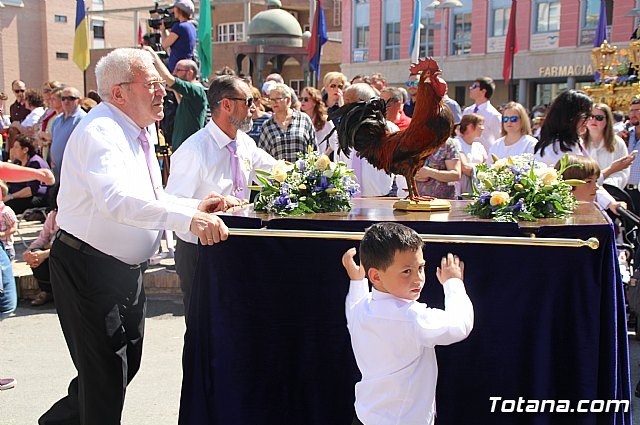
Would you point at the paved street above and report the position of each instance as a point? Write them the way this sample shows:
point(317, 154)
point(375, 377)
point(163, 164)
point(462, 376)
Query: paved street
point(32, 349)
point(34, 352)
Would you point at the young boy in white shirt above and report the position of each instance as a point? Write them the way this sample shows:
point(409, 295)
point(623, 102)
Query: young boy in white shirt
point(392, 334)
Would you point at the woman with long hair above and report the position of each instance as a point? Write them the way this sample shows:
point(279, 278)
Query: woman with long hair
point(311, 104)
point(516, 133)
point(566, 118)
point(609, 150)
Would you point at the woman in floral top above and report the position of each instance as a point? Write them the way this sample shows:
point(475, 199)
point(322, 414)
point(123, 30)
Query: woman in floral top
point(440, 171)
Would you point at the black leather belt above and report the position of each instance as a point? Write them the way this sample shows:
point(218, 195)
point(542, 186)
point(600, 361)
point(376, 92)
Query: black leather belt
point(631, 187)
point(75, 243)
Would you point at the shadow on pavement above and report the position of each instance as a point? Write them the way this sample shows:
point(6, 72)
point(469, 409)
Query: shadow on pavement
point(155, 307)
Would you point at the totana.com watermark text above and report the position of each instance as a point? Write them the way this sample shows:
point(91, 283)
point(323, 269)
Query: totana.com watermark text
point(498, 404)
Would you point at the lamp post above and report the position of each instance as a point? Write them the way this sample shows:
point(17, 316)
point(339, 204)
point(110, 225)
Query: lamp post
point(442, 5)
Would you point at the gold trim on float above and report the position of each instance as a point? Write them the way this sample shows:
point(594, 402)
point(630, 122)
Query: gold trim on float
point(592, 242)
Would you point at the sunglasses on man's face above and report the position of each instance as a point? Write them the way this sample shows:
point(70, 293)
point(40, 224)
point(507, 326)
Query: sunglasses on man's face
point(411, 83)
point(69, 98)
point(512, 119)
point(19, 91)
point(247, 101)
point(474, 86)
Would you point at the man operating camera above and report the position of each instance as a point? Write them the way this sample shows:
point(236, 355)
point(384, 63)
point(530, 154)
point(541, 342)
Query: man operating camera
point(180, 41)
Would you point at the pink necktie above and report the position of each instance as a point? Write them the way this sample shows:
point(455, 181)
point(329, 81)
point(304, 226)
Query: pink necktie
point(144, 142)
point(236, 170)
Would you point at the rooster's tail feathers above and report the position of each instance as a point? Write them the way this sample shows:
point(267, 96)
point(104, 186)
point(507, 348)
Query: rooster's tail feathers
point(362, 124)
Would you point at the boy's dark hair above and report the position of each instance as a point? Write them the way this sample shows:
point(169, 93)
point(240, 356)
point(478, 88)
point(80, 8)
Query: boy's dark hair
point(382, 240)
point(584, 167)
point(486, 83)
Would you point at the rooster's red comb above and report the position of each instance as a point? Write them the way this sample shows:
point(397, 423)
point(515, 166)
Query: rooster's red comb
point(427, 64)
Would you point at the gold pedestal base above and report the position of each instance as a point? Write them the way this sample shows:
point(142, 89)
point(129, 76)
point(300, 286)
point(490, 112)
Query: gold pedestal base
point(433, 205)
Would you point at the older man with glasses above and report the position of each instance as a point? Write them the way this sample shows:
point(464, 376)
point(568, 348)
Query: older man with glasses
point(112, 210)
point(63, 125)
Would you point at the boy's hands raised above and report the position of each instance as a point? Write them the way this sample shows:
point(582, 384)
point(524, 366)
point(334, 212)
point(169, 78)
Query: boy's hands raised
point(450, 267)
point(355, 271)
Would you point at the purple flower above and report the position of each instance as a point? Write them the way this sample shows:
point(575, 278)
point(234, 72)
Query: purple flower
point(300, 165)
point(517, 207)
point(322, 185)
point(484, 198)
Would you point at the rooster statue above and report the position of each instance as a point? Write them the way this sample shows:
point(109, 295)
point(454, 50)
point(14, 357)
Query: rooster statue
point(363, 128)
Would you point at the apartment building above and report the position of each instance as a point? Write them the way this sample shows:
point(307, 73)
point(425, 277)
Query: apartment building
point(36, 36)
point(555, 40)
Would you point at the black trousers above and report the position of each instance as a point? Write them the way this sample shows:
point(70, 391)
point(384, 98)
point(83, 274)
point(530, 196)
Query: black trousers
point(101, 306)
point(186, 261)
point(356, 421)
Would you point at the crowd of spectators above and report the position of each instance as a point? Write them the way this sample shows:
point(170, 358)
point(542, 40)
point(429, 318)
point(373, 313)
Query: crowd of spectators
point(280, 123)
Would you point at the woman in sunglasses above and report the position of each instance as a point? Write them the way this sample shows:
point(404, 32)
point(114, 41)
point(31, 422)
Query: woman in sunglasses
point(334, 86)
point(516, 133)
point(609, 150)
point(312, 105)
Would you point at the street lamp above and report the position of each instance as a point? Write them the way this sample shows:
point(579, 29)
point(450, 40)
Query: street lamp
point(442, 5)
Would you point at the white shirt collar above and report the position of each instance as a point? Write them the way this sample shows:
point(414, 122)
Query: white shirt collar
point(483, 106)
point(129, 127)
point(219, 136)
point(379, 295)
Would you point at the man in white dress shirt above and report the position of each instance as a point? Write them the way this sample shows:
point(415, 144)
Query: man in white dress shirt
point(204, 163)
point(481, 91)
point(373, 182)
point(112, 209)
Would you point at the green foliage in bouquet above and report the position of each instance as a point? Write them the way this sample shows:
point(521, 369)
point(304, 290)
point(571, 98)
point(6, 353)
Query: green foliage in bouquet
point(520, 188)
point(313, 184)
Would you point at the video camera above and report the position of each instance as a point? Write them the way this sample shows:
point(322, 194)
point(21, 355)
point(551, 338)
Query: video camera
point(159, 16)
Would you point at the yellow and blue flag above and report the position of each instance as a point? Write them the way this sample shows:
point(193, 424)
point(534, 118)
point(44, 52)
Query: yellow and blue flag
point(81, 37)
